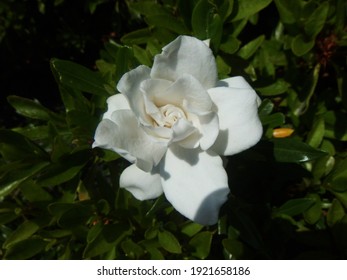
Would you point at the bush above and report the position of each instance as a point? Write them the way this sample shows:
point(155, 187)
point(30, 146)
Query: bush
point(60, 199)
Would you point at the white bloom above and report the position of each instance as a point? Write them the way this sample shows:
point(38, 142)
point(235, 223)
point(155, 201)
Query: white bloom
point(173, 122)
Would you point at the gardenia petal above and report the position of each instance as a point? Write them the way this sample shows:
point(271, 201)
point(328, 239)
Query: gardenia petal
point(195, 183)
point(104, 135)
point(114, 103)
point(142, 185)
point(209, 127)
point(124, 134)
point(129, 85)
point(240, 127)
point(193, 97)
point(186, 55)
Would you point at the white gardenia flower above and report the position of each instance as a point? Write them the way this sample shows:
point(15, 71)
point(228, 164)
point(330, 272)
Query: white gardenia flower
point(173, 122)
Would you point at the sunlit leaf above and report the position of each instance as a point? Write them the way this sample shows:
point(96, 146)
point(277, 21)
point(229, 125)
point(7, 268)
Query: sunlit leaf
point(169, 242)
point(251, 47)
point(201, 243)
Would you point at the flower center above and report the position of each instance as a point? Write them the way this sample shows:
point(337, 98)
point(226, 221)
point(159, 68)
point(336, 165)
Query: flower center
point(169, 115)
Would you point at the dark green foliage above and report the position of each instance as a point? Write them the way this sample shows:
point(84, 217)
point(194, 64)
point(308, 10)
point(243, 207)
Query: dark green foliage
point(60, 199)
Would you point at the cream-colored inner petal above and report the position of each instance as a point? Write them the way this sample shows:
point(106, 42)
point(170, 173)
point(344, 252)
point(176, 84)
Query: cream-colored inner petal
point(169, 115)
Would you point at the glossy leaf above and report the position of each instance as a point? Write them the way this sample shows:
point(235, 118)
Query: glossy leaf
point(201, 243)
point(316, 134)
point(24, 231)
point(295, 206)
point(169, 242)
point(292, 150)
point(338, 177)
point(335, 213)
point(301, 45)
point(29, 108)
point(14, 146)
point(108, 237)
point(64, 170)
point(206, 22)
point(251, 47)
point(15, 177)
point(231, 45)
point(79, 77)
point(191, 229)
point(277, 88)
point(316, 21)
point(131, 249)
point(246, 8)
point(289, 11)
point(140, 36)
point(313, 214)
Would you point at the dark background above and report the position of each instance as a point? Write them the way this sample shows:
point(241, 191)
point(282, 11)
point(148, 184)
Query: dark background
point(33, 32)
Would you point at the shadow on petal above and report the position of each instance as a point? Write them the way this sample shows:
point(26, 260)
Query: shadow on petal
point(208, 211)
point(179, 152)
point(220, 145)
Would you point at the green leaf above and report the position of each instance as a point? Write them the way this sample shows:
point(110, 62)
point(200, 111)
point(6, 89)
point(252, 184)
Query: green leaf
point(132, 250)
point(79, 77)
point(109, 237)
point(33, 132)
point(231, 45)
point(151, 233)
point(7, 215)
point(247, 8)
point(29, 108)
point(234, 249)
point(25, 249)
point(65, 169)
point(265, 107)
point(191, 229)
point(206, 22)
point(337, 179)
point(75, 216)
point(19, 173)
point(313, 214)
point(293, 150)
point(201, 244)
point(273, 120)
point(335, 126)
point(138, 37)
point(316, 134)
point(289, 10)
point(24, 231)
point(323, 167)
point(335, 213)
point(294, 207)
point(148, 8)
point(124, 61)
point(14, 146)
point(277, 88)
point(169, 242)
point(34, 193)
point(142, 55)
point(315, 23)
point(301, 45)
point(251, 47)
point(169, 22)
